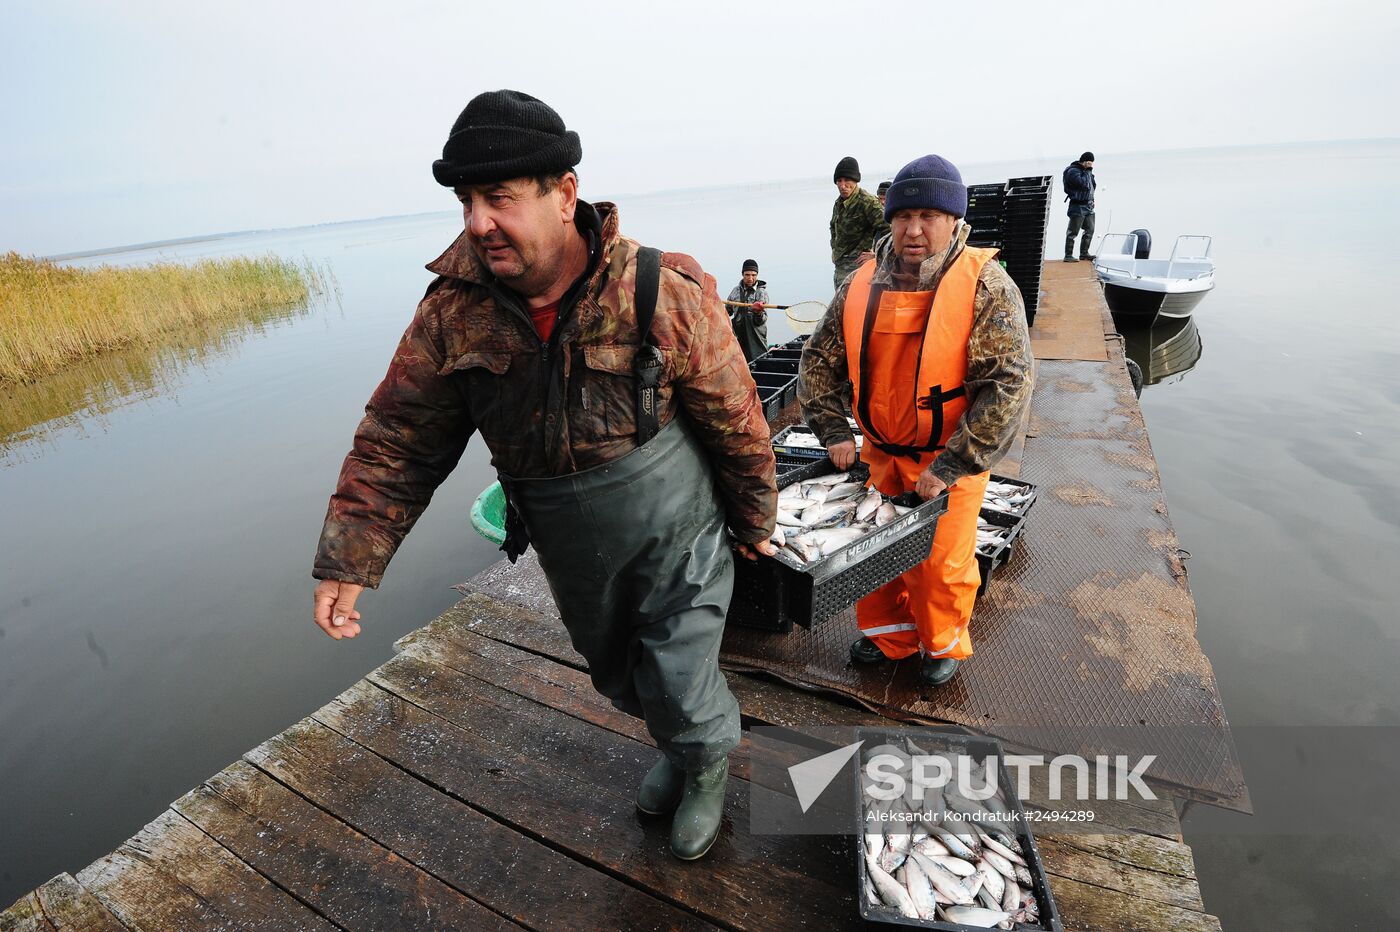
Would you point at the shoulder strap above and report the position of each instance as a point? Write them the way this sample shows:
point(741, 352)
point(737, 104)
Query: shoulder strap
point(648, 362)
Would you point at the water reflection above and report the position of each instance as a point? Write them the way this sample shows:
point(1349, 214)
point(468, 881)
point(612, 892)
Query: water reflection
point(83, 394)
point(1171, 348)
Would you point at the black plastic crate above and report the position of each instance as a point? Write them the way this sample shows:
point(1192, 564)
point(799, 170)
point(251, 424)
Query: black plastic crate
point(782, 444)
point(787, 464)
point(774, 364)
point(797, 342)
point(781, 591)
point(772, 402)
point(786, 384)
point(979, 749)
point(989, 560)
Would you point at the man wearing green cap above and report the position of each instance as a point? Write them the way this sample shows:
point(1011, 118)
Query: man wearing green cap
point(602, 376)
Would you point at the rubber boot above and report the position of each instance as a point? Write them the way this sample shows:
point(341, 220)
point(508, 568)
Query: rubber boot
point(935, 671)
point(866, 651)
point(696, 825)
point(661, 788)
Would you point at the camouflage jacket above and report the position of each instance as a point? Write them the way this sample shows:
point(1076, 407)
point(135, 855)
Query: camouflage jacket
point(471, 361)
point(998, 367)
point(856, 223)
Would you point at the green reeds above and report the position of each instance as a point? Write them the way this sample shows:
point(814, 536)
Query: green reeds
point(52, 316)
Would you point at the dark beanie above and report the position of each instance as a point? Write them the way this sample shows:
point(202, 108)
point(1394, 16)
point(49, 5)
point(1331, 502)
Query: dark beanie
point(750, 265)
point(931, 182)
point(502, 135)
point(884, 186)
point(1087, 157)
point(847, 168)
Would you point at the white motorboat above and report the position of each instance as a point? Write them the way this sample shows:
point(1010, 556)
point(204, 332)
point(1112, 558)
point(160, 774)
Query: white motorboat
point(1140, 289)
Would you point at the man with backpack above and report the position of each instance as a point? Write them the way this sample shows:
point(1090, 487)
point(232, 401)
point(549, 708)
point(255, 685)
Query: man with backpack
point(603, 376)
point(1079, 187)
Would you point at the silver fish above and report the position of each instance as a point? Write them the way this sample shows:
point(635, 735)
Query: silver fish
point(788, 519)
point(844, 490)
point(896, 851)
point(831, 540)
point(806, 550)
point(874, 844)
point(869, 505)
point(920, 889)
point(779, 538)
point(1002, 865)
point(827, 513)
point(885, 514)
point(1011, 897)
point(977, 916)
point(944, 881)
point(953, 842)
point(992, 880)
point(832, 478)
point(1001, 849)
point(890, 891)
point(933, 848)
point(955, 865)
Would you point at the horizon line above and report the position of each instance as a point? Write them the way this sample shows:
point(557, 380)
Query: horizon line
point(231, 234)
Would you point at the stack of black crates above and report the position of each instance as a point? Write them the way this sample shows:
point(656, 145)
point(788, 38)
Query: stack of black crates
point(1013, 217)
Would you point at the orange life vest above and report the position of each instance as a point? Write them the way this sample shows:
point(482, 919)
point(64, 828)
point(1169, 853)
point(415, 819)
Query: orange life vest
point(906, 352)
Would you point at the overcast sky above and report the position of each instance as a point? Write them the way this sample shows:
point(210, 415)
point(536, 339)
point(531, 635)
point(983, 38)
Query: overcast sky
point(135, 121)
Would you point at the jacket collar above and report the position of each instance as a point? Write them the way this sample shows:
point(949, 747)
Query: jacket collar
point(597, 222)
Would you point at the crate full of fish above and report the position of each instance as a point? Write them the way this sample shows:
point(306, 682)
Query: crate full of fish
point(933, 857)
point(1009, 496)
point(839, 540)
point(798, 440)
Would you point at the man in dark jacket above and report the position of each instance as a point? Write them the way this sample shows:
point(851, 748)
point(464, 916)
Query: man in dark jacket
point(530, 336)
point(1079, 189)
point(747, 311)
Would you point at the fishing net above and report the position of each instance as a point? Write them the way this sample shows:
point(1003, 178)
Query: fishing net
point(805, 316)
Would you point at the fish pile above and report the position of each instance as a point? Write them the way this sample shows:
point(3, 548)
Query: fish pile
point(941, 867)
point(1006, 497)
point(818, 517)
point(797, 437)
point(990, 536)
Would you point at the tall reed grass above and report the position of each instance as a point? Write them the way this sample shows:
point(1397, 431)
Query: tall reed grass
point(52, 316)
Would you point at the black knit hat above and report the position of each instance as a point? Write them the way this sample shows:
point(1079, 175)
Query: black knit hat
point(884, 186)
point(847, 168)
point(750, 265)
point(502, 135)
point(1087, 157)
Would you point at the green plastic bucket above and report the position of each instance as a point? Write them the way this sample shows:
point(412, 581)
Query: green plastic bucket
point(489, 513)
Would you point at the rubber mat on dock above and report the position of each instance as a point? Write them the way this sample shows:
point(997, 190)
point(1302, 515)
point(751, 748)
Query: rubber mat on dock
point(1090, 625)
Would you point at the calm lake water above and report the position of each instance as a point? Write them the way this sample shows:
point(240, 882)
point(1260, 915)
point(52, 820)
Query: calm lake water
point(161, 509)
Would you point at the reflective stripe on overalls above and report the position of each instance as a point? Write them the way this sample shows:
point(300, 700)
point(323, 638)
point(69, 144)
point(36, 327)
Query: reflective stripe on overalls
point(907, 355)
point(636, 556)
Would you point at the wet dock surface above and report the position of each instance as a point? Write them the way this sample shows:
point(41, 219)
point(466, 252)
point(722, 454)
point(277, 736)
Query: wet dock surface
point(476, 780)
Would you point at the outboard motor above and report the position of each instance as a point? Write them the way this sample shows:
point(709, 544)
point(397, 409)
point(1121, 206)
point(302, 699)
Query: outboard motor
point(1144, 244)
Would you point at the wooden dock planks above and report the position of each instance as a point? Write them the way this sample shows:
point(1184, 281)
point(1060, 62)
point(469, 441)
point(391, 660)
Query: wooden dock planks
point(476, 781)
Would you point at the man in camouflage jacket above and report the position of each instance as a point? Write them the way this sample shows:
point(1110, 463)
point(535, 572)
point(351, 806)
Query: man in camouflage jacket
point(529, 335)
point(857, 220)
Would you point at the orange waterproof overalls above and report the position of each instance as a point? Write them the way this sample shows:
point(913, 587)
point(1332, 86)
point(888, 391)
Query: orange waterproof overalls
point(907, 355)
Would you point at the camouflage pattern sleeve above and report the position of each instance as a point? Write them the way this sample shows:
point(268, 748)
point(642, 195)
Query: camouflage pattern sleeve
point(998, 379)
point(875, 216)
point(415, 428)
point(713, 384)
point(823, 379)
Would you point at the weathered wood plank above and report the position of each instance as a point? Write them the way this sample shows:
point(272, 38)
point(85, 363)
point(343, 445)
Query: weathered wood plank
point(26, 914)
point(543, 681)
point(1062, 860)
point(171, 876)
point(509, 872)
point(1097, 909)
point(66, 905)
point(340, 873)
point(1146, 852)
point(761, 701)
point(582, 803)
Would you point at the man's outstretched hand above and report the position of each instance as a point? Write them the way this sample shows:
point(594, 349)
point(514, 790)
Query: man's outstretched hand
point(334, 603)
